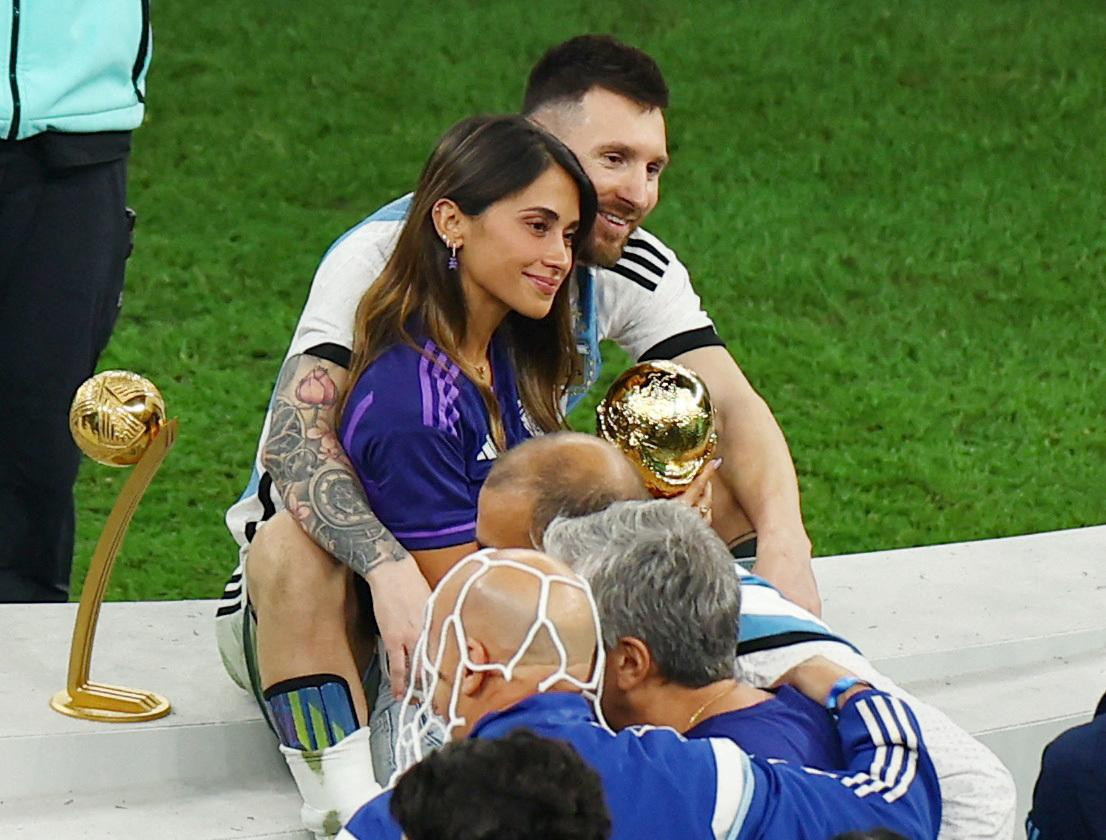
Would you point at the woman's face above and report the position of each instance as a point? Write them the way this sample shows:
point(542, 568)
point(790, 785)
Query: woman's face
point(518, 252)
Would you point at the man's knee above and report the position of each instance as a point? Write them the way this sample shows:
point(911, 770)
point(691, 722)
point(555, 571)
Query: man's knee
point(283, 563)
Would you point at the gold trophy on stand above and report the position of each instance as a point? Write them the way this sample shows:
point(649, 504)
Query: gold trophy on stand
point(117, 418)
point(659, 414)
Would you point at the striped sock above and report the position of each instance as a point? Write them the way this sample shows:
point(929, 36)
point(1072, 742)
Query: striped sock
point(312, 712)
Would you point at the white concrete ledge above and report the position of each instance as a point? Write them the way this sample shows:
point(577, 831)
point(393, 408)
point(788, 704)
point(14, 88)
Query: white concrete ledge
point(1006, 636)
point(208, 771)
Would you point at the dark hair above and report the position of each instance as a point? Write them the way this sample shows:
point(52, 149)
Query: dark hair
point(871, 834)
point(516, 788)
point(478, 162)
point(569, 70)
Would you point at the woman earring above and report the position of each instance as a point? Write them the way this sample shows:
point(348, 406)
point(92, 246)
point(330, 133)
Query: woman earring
point(451, 263)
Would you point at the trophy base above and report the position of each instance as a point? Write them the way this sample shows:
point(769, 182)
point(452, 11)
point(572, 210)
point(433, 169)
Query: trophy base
point(111, 704)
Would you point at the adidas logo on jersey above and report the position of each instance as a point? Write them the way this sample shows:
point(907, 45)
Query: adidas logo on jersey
point(489, 451)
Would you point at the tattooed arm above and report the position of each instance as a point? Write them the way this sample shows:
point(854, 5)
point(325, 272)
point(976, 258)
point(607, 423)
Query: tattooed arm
point(312, 472)
point(320, 489)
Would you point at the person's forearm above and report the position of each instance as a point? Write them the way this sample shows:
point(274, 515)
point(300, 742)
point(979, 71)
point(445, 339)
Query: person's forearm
point(758, 489)
point(757, 469)
point(303, 456)
point(762, 476)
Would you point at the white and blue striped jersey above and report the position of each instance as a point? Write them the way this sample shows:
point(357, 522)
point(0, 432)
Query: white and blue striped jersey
point(977, 791)
point(658, 784)
point(645, 304)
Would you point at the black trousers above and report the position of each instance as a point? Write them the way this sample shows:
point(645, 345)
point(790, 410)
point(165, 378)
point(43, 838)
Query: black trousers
point(64, 240)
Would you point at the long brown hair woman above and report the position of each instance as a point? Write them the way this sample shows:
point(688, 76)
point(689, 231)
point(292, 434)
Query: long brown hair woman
point(463, 346)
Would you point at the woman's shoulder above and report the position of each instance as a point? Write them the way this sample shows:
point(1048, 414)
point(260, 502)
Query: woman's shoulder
point(397, 361)
point(411, 385)
point(394, 371)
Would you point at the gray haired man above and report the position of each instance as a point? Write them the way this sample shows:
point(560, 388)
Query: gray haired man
point(665, 588)
point(669, 604)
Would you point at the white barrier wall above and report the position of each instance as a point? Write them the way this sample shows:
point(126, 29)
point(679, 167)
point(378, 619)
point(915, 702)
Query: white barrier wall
point(1007, 636)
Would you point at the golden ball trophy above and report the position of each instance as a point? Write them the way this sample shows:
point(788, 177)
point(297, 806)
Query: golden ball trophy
point(117, 418)
point(659, 414)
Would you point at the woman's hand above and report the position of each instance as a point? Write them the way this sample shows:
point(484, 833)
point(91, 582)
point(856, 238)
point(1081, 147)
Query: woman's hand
point(399, 602)
point(699, 493)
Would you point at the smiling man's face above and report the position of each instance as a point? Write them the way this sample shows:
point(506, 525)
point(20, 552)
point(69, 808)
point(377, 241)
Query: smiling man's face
point(623, 147)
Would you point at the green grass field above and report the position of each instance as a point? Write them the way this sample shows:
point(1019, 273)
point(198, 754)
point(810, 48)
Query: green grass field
point(895, 213)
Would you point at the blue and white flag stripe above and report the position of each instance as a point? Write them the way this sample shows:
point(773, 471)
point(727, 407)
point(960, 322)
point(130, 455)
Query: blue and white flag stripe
point(769, 619)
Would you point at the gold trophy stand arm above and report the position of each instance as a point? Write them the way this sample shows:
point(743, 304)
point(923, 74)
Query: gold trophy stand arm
point(83, 698)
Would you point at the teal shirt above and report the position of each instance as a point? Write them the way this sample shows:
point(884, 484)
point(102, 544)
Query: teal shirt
point(79, 66)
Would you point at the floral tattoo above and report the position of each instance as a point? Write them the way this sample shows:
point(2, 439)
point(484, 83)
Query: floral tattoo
point(303, 456)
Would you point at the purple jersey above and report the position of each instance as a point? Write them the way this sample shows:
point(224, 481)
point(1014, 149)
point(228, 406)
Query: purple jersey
point(417, 432)
point(790, 726)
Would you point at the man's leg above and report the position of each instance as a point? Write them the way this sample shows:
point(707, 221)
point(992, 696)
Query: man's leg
point(733, 525)
point(64, 238)
point(307, 667)
point(303, 592)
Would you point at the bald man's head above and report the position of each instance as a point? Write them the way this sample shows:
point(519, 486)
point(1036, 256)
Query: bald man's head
point(499, 606)
point(495, 639)
point(562, 474)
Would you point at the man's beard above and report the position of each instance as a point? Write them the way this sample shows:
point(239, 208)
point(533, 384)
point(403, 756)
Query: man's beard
point(605, 251)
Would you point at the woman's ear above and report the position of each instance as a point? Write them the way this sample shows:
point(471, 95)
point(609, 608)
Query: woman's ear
point(450, 223)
